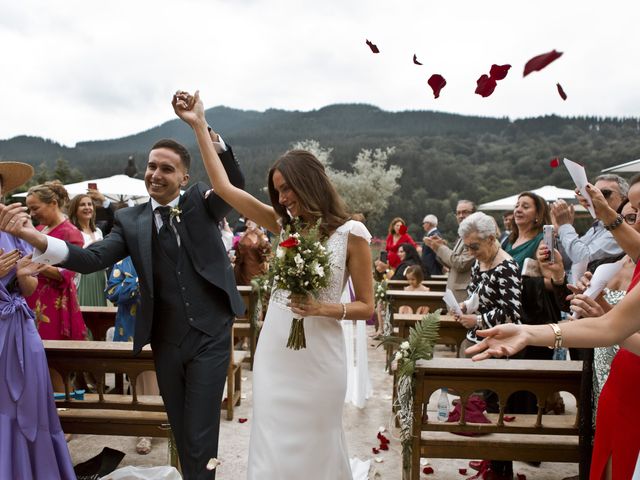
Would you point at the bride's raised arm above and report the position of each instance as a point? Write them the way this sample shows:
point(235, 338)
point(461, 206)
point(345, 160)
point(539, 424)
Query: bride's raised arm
point(191, 110)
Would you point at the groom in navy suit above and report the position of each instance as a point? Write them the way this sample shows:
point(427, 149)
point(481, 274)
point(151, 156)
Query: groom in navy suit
point(188, 292)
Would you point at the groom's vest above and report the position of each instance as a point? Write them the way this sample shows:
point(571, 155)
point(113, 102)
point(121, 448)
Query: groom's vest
point(183, 299)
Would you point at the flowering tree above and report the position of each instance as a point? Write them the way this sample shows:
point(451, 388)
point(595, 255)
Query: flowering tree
point(369, 187)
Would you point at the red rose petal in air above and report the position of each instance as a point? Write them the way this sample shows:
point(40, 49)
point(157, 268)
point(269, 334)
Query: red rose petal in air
point(373, 47)
point(289, 242)
point(509, 418)
point(561, 92)
point(499, 72)
point(402, 230)
point(375, 450)
point(539, 62)
point(415, 60)
point(427, 470)
point(462, 471)
point(486, 86)
point(242, 420)
point(437, 83)
point(555, 162)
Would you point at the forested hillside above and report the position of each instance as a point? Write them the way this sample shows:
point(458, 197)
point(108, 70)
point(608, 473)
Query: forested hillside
point(443, 156)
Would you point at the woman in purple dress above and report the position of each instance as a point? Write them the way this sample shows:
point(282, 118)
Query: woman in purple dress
point(32, 444)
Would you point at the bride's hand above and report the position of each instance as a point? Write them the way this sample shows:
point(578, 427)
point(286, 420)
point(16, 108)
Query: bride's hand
point(304, 305)
point(188, 107)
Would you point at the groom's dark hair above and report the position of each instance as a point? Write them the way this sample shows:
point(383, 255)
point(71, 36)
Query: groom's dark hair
point(176, 147)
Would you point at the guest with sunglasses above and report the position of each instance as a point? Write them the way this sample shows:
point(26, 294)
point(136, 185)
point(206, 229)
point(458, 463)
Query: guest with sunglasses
point(597, 244)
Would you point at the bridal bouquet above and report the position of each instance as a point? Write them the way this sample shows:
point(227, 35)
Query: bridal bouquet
point(301, 266)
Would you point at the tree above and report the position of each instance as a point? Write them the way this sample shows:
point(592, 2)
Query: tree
point(369, 187)
point(43, 174)
point(65, 173)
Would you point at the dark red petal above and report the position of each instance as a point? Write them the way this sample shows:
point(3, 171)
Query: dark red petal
point(427, 470)
point(382, 438)
point(561, 91)
point(521, 476)
point(402, 230)
point(375, 450)
point(437, 83)
point(499, 72)
point(373, 47)
point(242, 420)
point(462, 471)
point(541, 61)
point(509, 418)
point(555, 162)
point(415, 60)
point(486, 86)
point(384, 446)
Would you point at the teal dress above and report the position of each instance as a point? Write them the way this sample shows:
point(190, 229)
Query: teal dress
point(524, 251)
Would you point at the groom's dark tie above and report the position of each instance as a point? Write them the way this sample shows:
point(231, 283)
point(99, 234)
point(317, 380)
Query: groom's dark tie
point(166, 235)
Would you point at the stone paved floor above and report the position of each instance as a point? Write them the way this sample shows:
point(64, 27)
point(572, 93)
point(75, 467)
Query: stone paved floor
point(361, 426)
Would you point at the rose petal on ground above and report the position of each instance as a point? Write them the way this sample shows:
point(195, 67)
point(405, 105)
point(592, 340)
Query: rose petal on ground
point(437, 83)
point(373, 47)
point(521, 476)
point(561, 92)
point(486, 85)
point(427, 470)
point(424, 462)
point(555, 162)
point(382, 429)
point(384, 446)
point(382, 438)
point(375, 451)
point(415, 60)
point(538, 62)
point(379, 459)
point(242, 420)
point(499, 72)
point(213, 463)
point(462, 471)
point(509, 418)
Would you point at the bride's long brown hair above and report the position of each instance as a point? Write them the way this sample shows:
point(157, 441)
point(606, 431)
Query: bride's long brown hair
point(317, 196)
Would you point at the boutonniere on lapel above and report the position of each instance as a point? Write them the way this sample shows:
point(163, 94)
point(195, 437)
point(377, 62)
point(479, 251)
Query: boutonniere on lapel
point(175, 212)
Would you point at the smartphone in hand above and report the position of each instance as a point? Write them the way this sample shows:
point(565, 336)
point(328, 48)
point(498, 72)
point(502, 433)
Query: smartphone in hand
point(384, 256)
point(549, 238)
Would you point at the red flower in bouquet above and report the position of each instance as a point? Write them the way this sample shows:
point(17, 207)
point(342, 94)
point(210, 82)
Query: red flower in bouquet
point(290, 242)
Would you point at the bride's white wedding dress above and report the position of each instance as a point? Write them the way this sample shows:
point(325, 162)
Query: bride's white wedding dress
point(298, 396)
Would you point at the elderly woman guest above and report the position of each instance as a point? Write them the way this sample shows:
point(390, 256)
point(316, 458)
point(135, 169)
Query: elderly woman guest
point(82, 214)
point(495, 287)
point(33, 444)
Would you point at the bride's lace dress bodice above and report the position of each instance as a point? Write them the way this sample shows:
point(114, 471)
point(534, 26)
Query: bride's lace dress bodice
point(337, 248)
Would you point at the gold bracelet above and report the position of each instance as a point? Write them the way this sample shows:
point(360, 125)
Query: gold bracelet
point(558, 335)
point(344, 311)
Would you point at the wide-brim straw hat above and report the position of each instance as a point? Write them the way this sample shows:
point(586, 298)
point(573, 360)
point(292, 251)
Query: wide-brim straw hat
point(14, 174)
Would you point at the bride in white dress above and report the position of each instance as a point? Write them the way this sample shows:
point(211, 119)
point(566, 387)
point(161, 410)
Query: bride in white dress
point(299, 395)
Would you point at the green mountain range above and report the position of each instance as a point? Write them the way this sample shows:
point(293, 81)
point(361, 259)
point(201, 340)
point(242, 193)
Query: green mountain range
point(444, 156)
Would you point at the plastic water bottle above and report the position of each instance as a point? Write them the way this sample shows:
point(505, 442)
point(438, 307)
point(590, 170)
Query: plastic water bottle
point(443, 406)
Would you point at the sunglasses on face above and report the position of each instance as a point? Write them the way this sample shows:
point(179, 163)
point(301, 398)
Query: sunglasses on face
point(474, 247)
point(606, 193)
point(630, 218)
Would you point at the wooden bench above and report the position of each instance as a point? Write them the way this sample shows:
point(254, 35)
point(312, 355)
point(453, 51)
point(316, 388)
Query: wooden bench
point(534, 437)
point(99, 319)
point(450, 331)
point(118, 414)
point(434, 285)
point(433, 300)
point(245, 326)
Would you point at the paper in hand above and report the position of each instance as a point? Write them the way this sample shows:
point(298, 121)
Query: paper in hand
point(579, 177)
point(452, 303)
point(578, 269)
point(603, 274)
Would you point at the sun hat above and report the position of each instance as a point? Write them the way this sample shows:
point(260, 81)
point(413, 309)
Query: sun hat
point(14, 174)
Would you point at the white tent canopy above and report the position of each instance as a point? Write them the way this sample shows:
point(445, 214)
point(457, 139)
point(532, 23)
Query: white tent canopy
point(118, 188)
point(629, 167)
point(548, 192)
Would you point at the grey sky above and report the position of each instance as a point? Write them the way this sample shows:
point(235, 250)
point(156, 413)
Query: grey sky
point(81, 70)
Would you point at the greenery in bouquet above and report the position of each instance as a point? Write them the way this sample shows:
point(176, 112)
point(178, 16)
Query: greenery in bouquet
point(301, 265)
point(419, 346)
